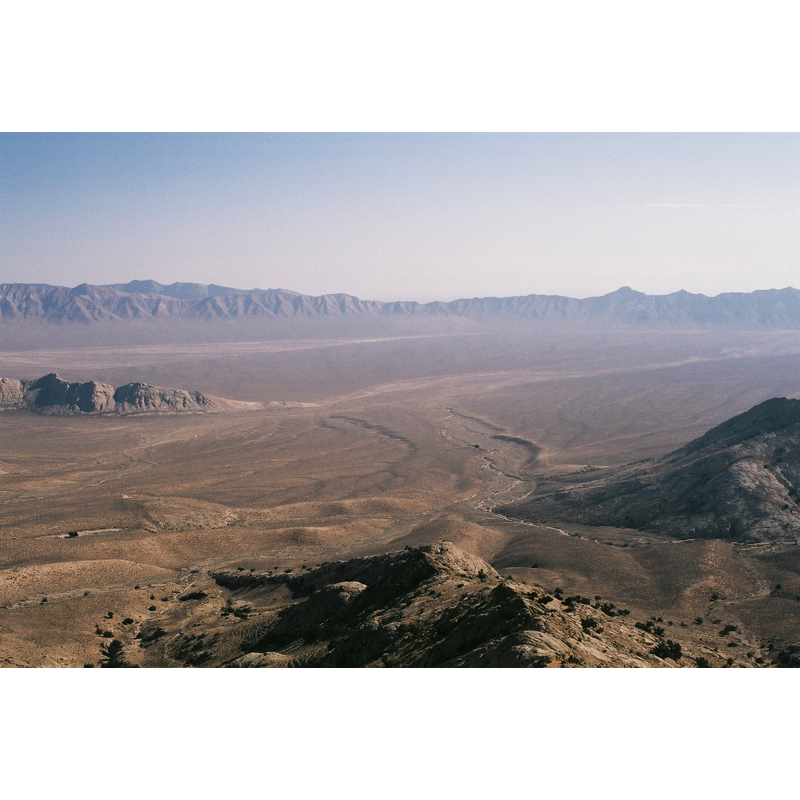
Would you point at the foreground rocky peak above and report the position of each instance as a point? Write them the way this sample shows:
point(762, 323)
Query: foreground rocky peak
point(429, 606)
point(51, 394)
point(739, 480)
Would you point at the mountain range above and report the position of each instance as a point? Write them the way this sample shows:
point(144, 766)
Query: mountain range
point(772, 309)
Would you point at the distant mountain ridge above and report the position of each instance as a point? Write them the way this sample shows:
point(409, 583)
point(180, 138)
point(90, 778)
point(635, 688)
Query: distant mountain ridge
point(769, 309)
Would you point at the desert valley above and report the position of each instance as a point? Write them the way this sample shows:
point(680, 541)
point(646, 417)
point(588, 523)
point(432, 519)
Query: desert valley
point(202, 476)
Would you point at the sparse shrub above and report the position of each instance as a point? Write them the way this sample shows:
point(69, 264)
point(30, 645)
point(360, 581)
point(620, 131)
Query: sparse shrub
point(715, 596)
point(588, 623)
point(151, 608)
point(668, 649)
point(729, 662)
point(482, 575)
point(108, 635)
point(788, 658)
point(698, 620)
point(127, 621)
point(702, 662)
point(778, 587)
point(113, 655)
point(110, 615)
point(728, 629)
point(72, 534)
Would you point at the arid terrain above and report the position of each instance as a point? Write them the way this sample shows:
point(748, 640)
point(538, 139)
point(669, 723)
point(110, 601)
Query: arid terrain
point(366, 443)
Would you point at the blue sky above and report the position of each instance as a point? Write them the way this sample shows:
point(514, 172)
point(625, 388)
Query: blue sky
point(408, 216)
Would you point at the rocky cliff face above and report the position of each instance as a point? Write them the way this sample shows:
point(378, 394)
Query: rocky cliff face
point(739, 480)
point(51, 394)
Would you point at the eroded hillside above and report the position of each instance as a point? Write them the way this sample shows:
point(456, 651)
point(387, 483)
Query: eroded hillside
point(739, 480)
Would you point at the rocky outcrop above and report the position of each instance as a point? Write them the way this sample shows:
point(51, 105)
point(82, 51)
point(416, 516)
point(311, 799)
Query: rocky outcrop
point(140, 397)
point(739, 480)
point(51, 394)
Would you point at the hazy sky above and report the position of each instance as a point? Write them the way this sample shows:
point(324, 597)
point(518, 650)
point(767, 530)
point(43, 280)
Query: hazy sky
point(382, 216)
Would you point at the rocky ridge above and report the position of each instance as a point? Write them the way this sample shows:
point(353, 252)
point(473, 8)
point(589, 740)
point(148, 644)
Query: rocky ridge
point(429, 606)
point(51, 394)
point(740, 480)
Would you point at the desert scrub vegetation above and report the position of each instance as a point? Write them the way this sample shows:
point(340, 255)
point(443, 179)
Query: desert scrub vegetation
point(788, 657)
point(650, 627)
point(113, 655)
point(668, 649)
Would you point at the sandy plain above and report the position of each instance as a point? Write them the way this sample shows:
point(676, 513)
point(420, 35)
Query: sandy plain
point(366, 444)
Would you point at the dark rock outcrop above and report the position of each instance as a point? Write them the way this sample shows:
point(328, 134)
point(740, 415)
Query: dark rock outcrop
point(51, 394)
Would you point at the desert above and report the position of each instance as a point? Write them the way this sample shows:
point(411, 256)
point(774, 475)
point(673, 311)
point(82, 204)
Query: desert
point(339, 450)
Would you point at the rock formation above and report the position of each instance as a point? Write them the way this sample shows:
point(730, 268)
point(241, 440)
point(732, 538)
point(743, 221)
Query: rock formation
point(51, 394)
